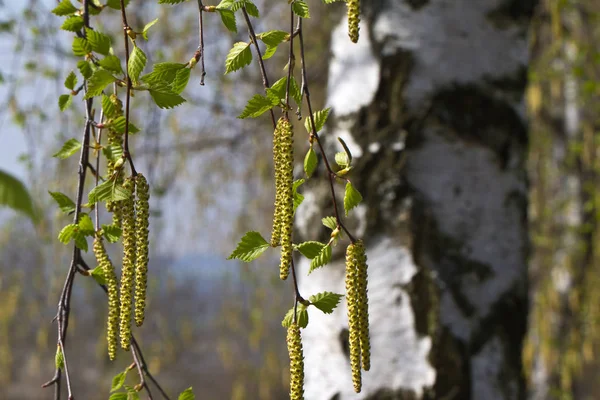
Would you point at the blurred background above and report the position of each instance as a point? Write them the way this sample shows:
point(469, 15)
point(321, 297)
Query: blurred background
point(216, 324)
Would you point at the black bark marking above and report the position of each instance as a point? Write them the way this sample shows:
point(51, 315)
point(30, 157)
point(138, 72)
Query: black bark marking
point(345, 342)
point(417, 4)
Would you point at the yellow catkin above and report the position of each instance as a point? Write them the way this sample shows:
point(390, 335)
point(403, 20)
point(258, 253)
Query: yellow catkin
point(276, 231)
point(128, 271)
point(353, 302)
point(363, 304)
point(353, 18)
point(115, 139)
point(142, 215)
point(108, 270)
point(286, 171)
point(294, 344)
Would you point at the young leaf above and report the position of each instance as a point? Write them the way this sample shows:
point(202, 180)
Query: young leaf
point(273, 38)
point(301, 317)
point(181, 80)
point(341, 158)
point(73, 23)
point(147, 28)
point(330, 222)
point(108, 191)
point(300, 8)
point(163, 73)
point(251, 8)
point(118, 124)
point(111, 63)
point(64, 101)
point(187, 394)
point(310, 162)
point(59, 360)
point(99, 42)
point(69, 148)
point(64, 8)
point(321, 259)
point(118, 381)
point(280, 87)
point(66, 234)
point(250, 247)
point(112, 152)
point(98, 81)
point(71, 81)
point(352, 197)
point(116, 4)
point(80, 241)
point(13, 194)
point(269, 52)
point(137, 62)
point(80, 46)
point(85, 69)
point(98, 275)
point(164, 97)
point(346, 149)
point(298, 198)
point(118, 396)
point(112, 233)
point(228, 18)
point(65, 204)
point(325, 301)
point(86, 226)
point(225, 4)
point(239, 56)
point(320, 118)
point(256, 106)
point(310, 249)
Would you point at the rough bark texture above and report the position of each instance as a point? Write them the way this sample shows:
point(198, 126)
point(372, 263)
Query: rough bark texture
point(430, 101)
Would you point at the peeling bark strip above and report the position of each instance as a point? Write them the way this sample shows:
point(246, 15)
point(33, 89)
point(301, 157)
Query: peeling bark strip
point(431, 100)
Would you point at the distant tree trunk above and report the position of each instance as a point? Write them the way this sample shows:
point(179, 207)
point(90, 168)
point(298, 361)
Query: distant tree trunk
point(430, 102)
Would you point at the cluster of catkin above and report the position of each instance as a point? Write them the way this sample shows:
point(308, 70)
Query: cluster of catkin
point(283, 159)
point(358, 311)
point(115, 139)
point(353, 7)
point(134, 222)
point(294, 344)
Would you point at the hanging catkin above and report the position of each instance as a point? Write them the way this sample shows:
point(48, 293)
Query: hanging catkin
point(353, 288)
point(353, 18)
point(286, 205)
point(128, 271)
point(294, 344)
point(276, 231)
point(142, 215)
point(363, 304)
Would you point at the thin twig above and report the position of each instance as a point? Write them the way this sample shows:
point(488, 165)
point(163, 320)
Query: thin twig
point(138, 364)
point(128, 94)
point(201, 45)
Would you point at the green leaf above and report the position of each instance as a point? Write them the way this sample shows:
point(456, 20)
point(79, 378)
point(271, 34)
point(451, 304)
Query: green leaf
point(112, 152)
point(111, 63)
point(346, 150)
point(64, 101)
point(59, 360)
point(86, 226)
point(352, 197)
point(269, 52)
point(118, 381)
point(147, 28)
point(280, 87)
point(118, 396)
point(320, 118)
point(164, 97)
point(163, 73)
point(325, 301)
point(65, 204)
point(13, 194)
point(170, 1)
point(85, 68)
point(250, 247)
point(112, 233)
point(99, 42)
point(310, 162)
point(321, 259)
point(341, 158)
point(301, 317)
point(239, 56)
point(298, 198)
point(118, 125)
point(108, 191)
point(66, 234)
point(256, 106)
point(116, 4)
point(80, 241)
point(137, 62)
point(225, 4)
point(73, 23)
point(98, 81)
point(300, 8)
point(98, 275)
point(310, 249)
point(108, 107)
point(251, 9)
point(64, 8)
point(228, 18)
point(181, 80)
point(80, 46)
point(71, 81)
point(330, 222)
point(69, 148)
point(187, 394)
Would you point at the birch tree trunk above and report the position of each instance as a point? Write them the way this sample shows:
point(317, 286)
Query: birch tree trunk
point(430, 102)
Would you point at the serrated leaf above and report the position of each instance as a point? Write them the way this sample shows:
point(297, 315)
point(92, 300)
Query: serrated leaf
point(330, 222)
point(310, 162)
point(118, 125)
point(14, 194)
point(64, 101)
point(298, 198)
point(320, 118)
point(69, 148)
point(181, 80)
point(86, 226)
point(225, 4)
point(352, 197)
point(80, 241)
point(118, 396)
point(111, 63)
point(118, 381)
point(251, 9)
point(71, 81)
point(73, 23)
point(137, 63)
point(238, 57)
point(164, 97)
point(112, 152)
point(108, 191)
point(321, 259)
point(228, 19)
point(341, 158)
point(147, 28)
point(108, 107)
point(65, 204)
point(310, 249)
point(269, 52)
point(300, 8)
point(256, 106)
point(187, 394)
point(85, 68)
point(99, 42)
point(66, 234)
point(325, 301)
point(250, 247)
point(163, 74)
point(59, 360)
point(98, 275)
point(64, 8)
point(98, 81)
point(112, 233)
point(80, 46)
point(280, 87)
point(301, 317)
